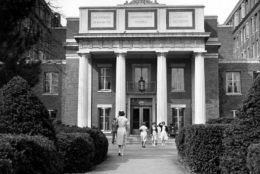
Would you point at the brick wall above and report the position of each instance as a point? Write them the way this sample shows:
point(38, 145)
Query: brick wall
point(51, 102)
point(212, 88)
point(180, 97)
point(227, 102)
point(70, 92)
point(227, 42)
point(102, 97)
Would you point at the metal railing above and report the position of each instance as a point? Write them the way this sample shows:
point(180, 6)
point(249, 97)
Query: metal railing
point(133, 87)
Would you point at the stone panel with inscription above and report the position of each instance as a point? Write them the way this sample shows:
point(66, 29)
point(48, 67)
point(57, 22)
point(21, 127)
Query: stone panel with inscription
point(101, 20)
point(141, 20)
point(180, 19)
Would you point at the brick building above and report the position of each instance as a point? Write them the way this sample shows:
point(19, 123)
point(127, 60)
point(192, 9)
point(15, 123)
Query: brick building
point(50, 50)
point(239, 54)
point(156, 62)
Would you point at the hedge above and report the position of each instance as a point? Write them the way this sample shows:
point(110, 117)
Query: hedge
point(21, 154)
point(253, 158)
point(21, 112)
point(237, 139)
point(222, 120)
point(200, 147)
point(77, 150)
point(100, 140)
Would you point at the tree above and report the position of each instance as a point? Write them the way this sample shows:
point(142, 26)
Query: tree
point(251, 105)
point(21, 112)
point(16, 37)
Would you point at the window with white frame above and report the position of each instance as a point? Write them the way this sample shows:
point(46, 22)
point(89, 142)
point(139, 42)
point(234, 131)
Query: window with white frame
point(177, 79)
point(104, 113)
point(51, 83)
point(233, 84)
point(105, 77)
point(52, 113)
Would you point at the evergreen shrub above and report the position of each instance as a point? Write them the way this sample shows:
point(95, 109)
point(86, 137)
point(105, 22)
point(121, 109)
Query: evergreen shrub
point(21, 154)
point(99, 139)
point(21, 112)
point(253, 158)
point(221, 120)
point(77, 150)
point(200, 147)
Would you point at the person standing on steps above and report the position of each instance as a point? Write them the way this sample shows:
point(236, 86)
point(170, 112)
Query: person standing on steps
point(164, 133)
point(121, 132)
point(159, 130)
point(143, 134)
point(114, 130)
point(154, 134)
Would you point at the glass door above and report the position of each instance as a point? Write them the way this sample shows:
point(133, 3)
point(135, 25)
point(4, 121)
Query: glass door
point(140, 115)
point(178, 119)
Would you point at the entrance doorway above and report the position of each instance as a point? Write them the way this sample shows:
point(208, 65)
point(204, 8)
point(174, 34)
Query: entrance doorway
point(140, 115)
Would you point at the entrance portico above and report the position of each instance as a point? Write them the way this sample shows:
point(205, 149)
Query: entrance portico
point(144, 59)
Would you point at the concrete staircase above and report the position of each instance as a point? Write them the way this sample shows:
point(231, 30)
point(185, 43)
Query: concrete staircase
point(135, 139)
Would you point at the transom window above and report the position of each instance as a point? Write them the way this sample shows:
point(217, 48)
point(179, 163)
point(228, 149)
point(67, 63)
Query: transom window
point(177, 79)
point(104, 113)
point(51, 83)
point(105, 77)
point(233, 84)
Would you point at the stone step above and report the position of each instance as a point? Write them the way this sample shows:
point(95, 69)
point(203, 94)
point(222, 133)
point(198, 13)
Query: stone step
point(135, 139)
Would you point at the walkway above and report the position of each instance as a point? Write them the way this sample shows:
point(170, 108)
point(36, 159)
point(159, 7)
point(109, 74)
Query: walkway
point(137, 160)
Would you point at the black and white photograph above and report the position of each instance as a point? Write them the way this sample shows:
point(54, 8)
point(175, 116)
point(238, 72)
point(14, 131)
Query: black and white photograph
point(129, 86)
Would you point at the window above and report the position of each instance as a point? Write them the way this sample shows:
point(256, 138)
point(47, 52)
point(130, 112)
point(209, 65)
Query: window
point(234, 113)
point(105, 77)
point(104, 113)
point(177, 79)
point(51, 82)
point(178, 114)
point(52, 114)
point(233, 85)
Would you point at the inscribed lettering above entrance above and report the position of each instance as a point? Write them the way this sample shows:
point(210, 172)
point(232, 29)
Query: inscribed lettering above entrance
point(180, 19)
point(102, 20)
point(141, 19)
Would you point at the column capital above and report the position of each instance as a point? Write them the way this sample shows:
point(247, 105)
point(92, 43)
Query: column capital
point(199, 53)
point(162, 53)
point(122, 53)
point(84, 54)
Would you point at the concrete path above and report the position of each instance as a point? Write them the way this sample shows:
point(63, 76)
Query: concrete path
point(137, 160)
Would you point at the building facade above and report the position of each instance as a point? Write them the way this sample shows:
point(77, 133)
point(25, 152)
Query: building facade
point(153, 61)
point(239, 62)
point(50, 51)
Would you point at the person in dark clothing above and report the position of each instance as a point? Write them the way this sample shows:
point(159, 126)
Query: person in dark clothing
point(114, 129)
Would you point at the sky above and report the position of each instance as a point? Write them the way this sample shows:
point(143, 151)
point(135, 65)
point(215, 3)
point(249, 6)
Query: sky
point(220, 8)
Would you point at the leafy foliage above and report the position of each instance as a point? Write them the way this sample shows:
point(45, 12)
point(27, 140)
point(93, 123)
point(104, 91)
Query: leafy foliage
point(200, 147)
point(253, 158)
point(28, 154)
point(100, 140)
point(21, 112)
point(17, 37)
point(77, 150)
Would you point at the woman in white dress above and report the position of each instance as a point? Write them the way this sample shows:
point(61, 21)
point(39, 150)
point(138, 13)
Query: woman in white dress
point(121, 132)
point(164, 133)
point(143, 134)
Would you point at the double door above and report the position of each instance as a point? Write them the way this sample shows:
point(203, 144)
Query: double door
point(139, 116)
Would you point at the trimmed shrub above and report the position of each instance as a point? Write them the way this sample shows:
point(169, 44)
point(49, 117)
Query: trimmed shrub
point(21, 112)
point(77, 150)
point(200, 147)
point(21, 154)
point(237, 139)
point(180, 140)
point(222, 120)
point(253, 158)
point(99, 138)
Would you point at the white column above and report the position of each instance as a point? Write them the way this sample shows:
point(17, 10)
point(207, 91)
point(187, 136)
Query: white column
point(161, 87)
point(199, 91)
point(83, 91)
point(120, 83)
